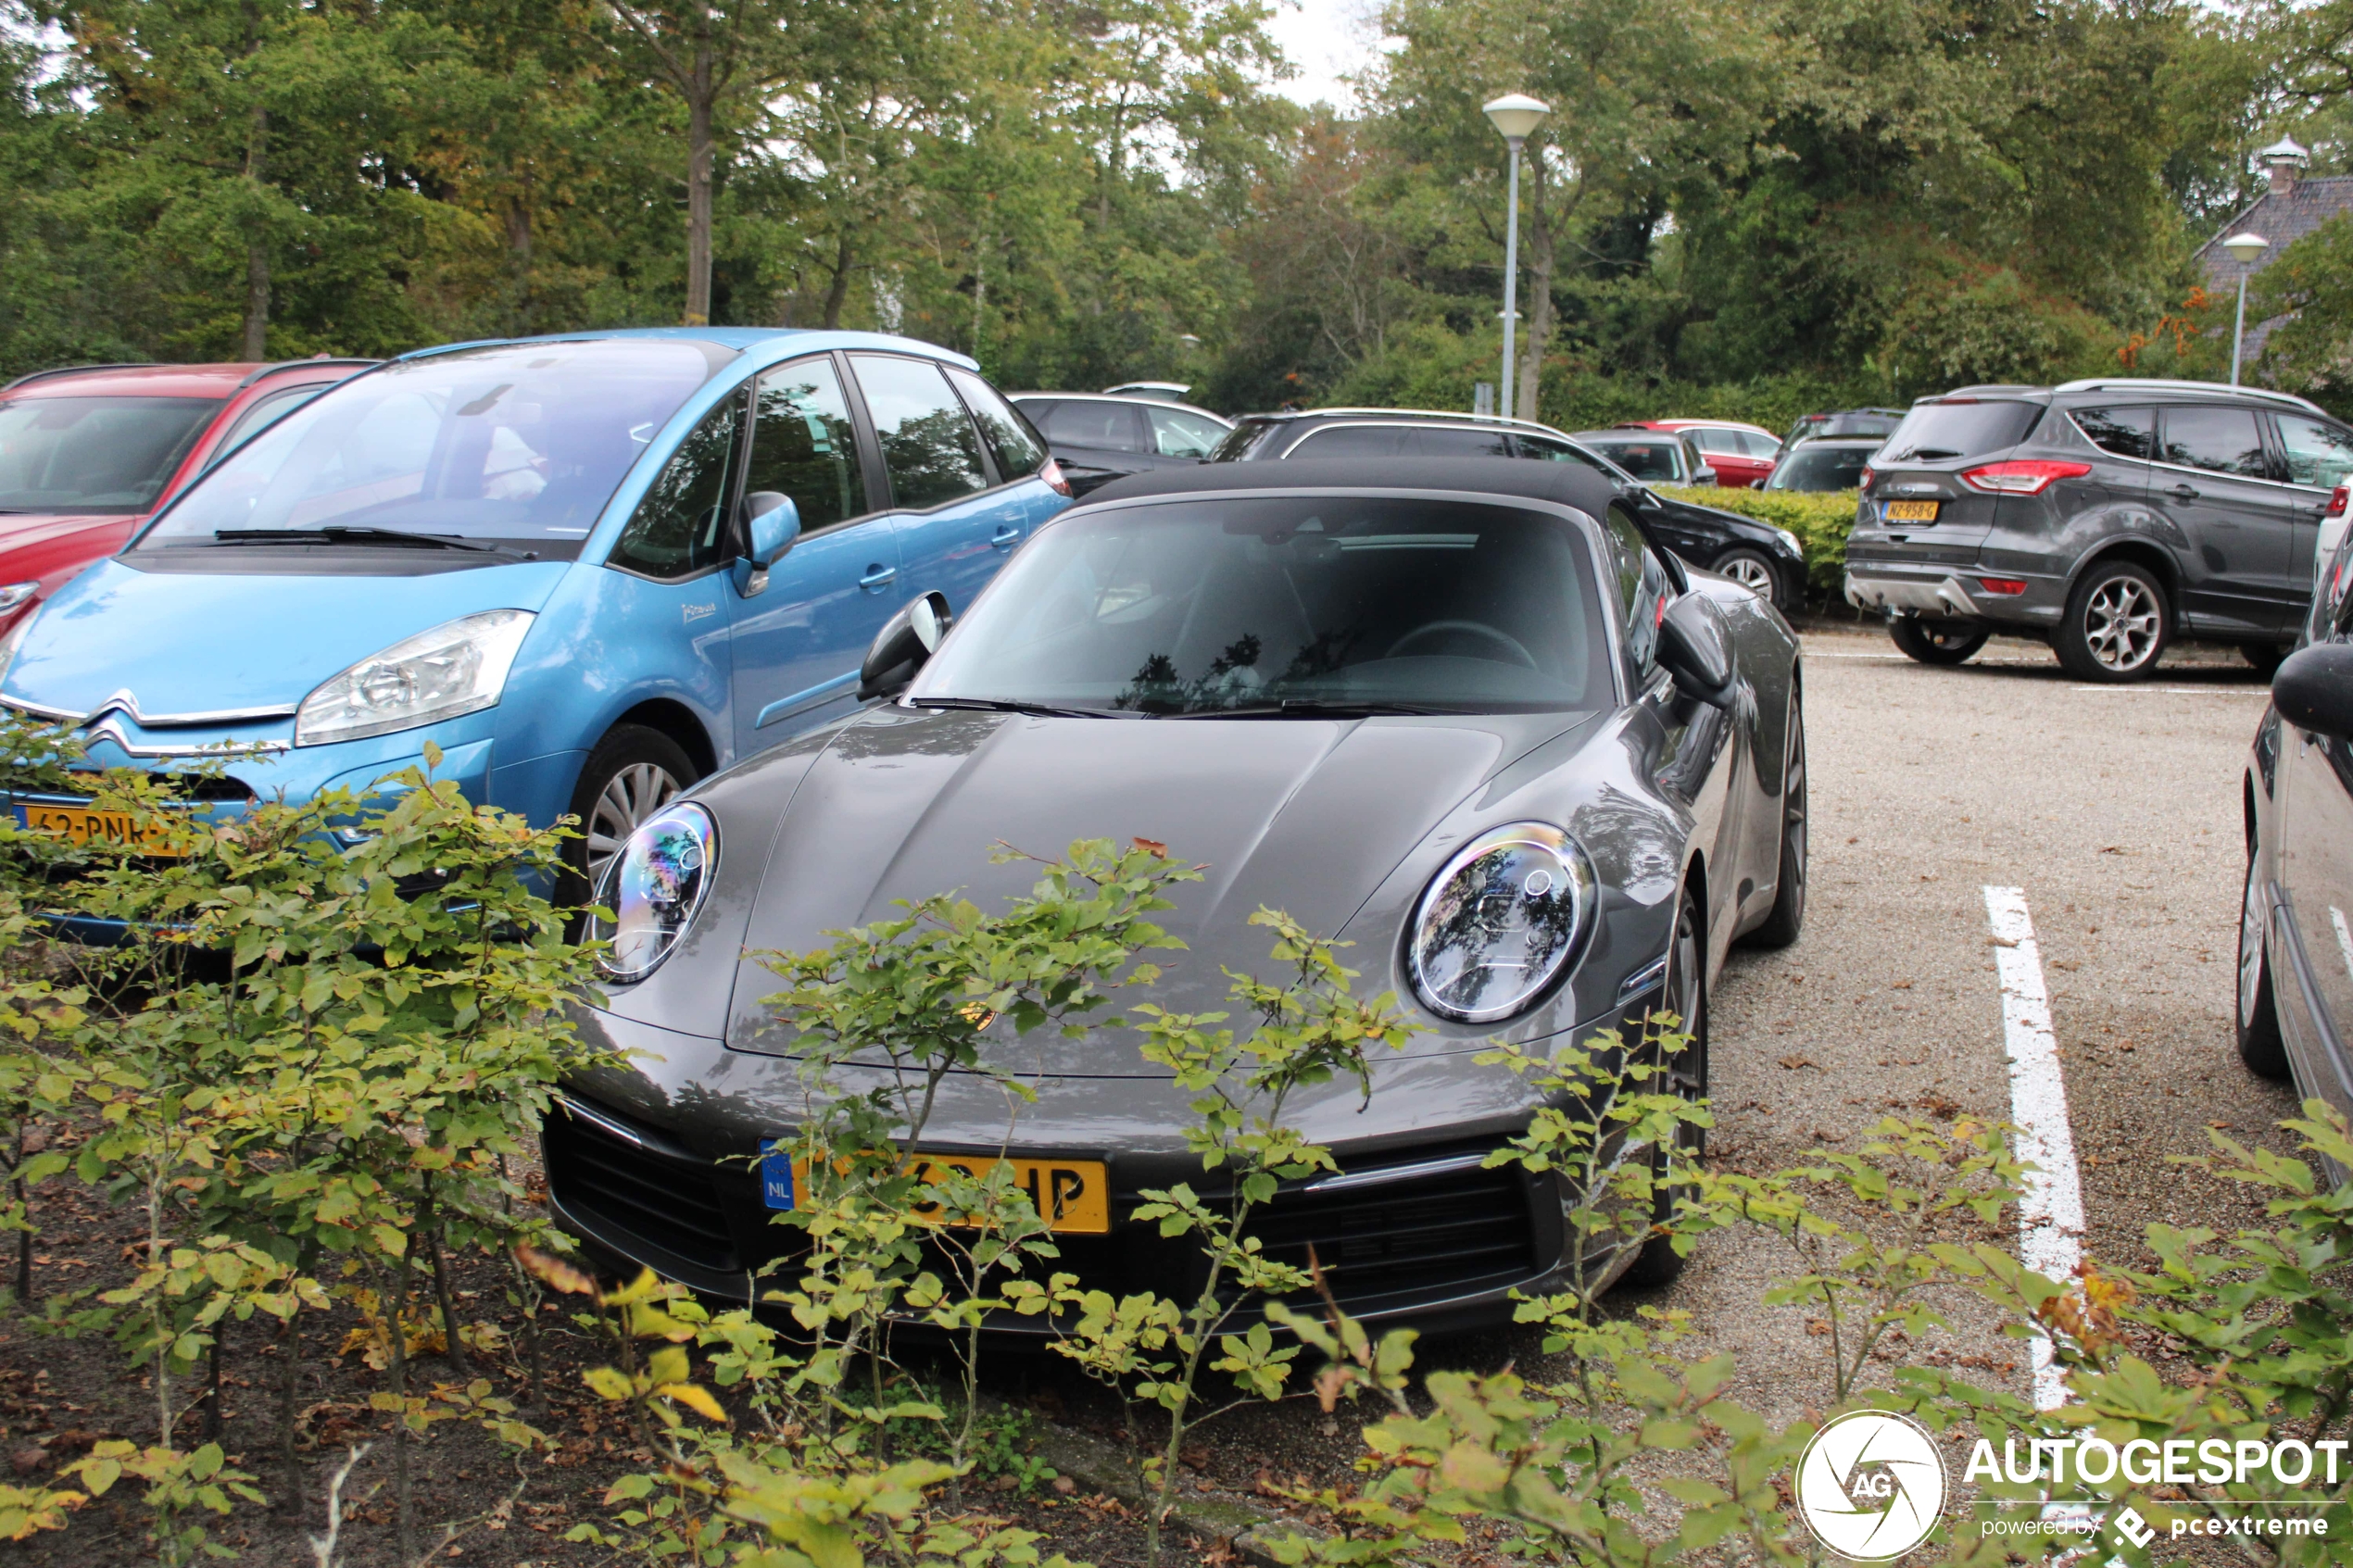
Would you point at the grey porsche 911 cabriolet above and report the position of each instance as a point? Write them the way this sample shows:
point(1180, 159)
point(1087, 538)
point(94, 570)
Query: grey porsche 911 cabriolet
point(1460, 713)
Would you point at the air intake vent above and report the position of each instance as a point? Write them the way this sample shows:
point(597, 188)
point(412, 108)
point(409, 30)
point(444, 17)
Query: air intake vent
point(671, 1205)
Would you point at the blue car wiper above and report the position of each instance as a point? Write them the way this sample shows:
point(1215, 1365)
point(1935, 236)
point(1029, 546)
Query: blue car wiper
point(336, 534)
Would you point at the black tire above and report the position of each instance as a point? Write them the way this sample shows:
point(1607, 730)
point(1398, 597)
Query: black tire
point(1752, 569)
point(1685, 996)
point(2266, 657)
point(2117, 625)
point(1787, 917)
point(1937, 642)
point(630, 775)
point(2258, 1015)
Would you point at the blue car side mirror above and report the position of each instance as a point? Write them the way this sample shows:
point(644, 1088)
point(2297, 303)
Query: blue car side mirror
point(773, 522)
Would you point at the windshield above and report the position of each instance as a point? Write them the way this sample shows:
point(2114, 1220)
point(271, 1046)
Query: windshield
point(1821, 468)
point(1934, 430)
point(522, 442)
point(1287, 604)
point(95, 453)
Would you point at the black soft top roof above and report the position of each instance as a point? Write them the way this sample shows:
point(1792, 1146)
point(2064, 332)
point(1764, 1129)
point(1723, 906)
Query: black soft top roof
point(1570, 484)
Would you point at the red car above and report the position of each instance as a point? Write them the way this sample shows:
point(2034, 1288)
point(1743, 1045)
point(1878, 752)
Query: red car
point(88, 453)
point(1740, 454)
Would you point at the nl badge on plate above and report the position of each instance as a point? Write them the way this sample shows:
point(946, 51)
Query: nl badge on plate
point(776, 1173)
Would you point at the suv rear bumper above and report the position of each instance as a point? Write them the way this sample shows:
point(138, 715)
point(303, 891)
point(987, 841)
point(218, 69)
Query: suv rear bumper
point(1938, 591)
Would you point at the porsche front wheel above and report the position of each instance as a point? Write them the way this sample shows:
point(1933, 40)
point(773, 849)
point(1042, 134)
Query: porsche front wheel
point(1685, 997)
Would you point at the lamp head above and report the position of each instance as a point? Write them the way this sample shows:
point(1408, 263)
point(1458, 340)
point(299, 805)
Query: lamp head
point(2244, 248)
point(1517, 115)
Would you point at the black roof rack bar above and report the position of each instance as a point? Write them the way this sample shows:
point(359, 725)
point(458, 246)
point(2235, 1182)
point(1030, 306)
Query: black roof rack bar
point(69, 370)
point(296, 364)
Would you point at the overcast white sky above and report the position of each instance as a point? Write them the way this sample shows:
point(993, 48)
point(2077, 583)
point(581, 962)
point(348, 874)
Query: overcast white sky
point(1324, 39)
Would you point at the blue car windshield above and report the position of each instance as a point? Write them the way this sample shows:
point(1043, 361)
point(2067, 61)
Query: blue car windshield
point(521, 442)
point(1287, 606)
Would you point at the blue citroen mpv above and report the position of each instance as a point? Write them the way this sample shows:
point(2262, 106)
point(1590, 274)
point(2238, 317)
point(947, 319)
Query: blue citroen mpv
point(590, 569)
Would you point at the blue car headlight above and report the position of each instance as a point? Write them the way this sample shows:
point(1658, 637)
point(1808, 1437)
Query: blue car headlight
point(456, 667)
point(1501, 923)
point(654, 888)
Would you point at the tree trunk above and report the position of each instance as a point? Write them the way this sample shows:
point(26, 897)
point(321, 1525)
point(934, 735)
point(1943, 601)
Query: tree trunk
point(257, 344)
point(845, 255)
point(289, 1395)
point(699, 97)
point(1539, 223)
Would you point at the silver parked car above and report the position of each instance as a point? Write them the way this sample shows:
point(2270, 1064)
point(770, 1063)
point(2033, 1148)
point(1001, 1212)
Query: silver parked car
point(1458, 713)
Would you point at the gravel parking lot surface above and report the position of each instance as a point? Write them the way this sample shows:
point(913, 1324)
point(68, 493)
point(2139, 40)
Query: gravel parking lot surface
point(2116, 812)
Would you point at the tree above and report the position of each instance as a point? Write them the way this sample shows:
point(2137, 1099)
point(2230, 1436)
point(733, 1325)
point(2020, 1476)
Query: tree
point(712, 55)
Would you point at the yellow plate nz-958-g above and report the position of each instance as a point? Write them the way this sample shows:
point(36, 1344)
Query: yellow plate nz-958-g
point(1911, 511)
point(1073, 1195)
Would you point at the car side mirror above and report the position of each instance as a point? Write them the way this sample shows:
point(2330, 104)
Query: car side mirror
point(1757, 483)
point(1695, 646)
point(771, 523)
point(906, 642)
point(1704, 476)
point(2313, 689)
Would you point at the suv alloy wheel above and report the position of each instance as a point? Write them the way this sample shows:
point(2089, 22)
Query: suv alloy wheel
point(2117, 625)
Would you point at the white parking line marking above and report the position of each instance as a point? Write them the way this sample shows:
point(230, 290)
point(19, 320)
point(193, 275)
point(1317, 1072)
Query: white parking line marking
point(2050, 1217)
point(2344, 937)
point(2181, 691)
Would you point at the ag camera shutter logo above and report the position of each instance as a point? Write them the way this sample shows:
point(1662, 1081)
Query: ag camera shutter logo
point(1871, 1486)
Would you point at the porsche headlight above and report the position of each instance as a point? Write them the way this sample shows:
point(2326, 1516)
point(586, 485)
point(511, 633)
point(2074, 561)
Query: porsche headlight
point(654, 888)
point(1501, 923)
point(458, 667)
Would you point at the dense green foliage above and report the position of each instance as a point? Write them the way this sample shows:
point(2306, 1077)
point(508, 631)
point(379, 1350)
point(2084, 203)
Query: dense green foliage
point(1744, 208)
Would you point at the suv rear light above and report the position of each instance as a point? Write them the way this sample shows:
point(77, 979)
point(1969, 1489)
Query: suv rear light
point(2005, 585)
point(1053, 474)
point(1868, 477)
point(2337, 498)
point(2021, 476)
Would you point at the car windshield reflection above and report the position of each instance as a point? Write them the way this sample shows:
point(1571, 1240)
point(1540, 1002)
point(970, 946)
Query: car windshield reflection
point(1305, 606)
point(524, 442)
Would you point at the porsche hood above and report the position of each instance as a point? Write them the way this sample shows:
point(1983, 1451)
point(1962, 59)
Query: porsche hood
point(1306, 815)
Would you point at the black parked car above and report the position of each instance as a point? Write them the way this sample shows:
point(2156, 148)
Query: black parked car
point(1846, 421)
point(2109, 517)
point(1768, 562)
point(2295, 950)
point(1827, 462)
point(1097, 436)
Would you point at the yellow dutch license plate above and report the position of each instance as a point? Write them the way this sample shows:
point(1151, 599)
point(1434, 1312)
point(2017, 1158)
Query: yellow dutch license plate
point(83, 825)
point(1911, 511)
point(1073, 1195)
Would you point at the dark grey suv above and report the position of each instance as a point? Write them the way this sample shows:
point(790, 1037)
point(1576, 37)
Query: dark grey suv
point(2109, 517)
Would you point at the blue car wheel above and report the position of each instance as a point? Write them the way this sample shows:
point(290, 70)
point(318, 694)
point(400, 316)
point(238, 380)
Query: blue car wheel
point(632, 774)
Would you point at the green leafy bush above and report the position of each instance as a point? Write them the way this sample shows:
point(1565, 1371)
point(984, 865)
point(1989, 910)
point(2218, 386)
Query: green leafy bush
point(1819, 519)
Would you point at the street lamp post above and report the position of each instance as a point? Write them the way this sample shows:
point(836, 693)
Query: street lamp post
point(1515, 115)
point(2243, 249)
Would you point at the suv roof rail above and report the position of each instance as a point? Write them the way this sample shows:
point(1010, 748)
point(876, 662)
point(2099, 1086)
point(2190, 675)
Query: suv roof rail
point(296, 364)
point(1982, 388)
point(72, 370)
point(2161, 383)
point(1418, 414)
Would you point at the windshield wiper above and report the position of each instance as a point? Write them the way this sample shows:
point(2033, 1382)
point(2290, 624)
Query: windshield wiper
point(1309, 707)
point(1004, 704)
point(336, 534)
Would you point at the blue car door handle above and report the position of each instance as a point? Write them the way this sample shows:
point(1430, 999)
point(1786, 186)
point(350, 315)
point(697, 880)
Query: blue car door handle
point(877, 577)
point(1005, 537)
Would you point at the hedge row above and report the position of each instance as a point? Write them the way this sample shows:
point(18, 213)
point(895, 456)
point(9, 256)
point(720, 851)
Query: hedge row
point(1819, 519)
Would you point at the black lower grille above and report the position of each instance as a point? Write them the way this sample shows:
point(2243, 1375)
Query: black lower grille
point(1420, 1234)
point(669, 1204)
